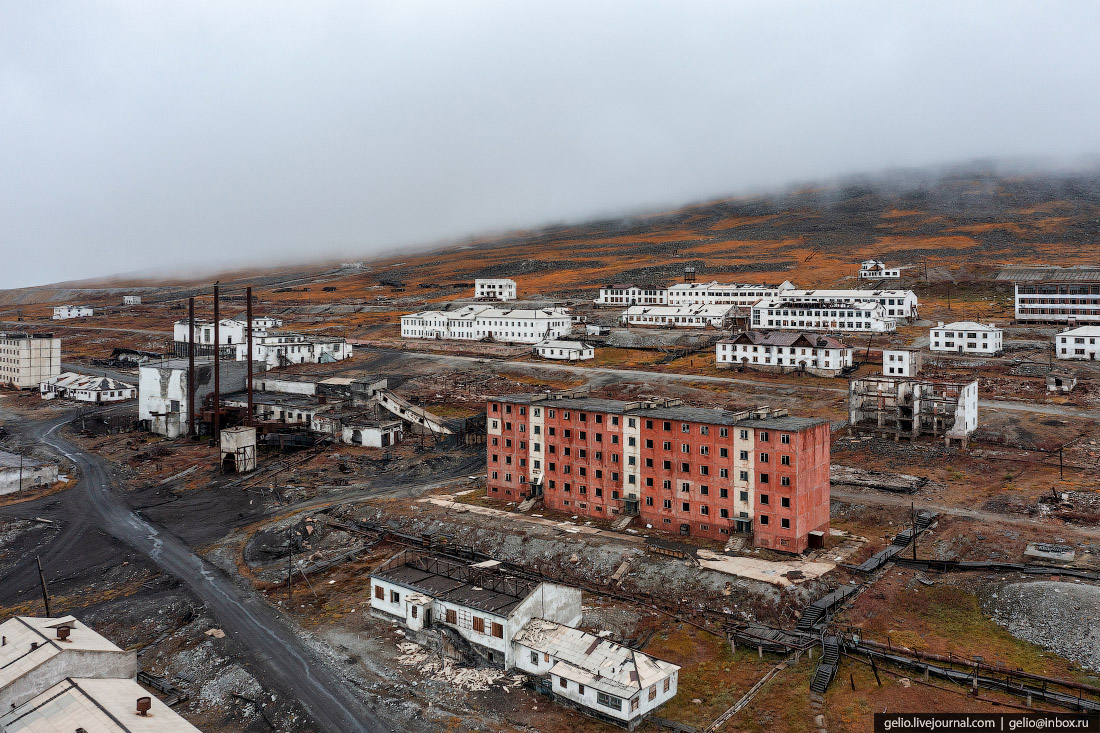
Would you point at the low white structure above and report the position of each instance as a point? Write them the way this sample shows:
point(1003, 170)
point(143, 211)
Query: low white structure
point(593, 674)
point(131, 300)
point(19, 473)
point(99, 705)
point(901, 362)
point(564, 350)
point(812, 315)
point(269, 348)
point(238, 449)
point(966, 337)
point(37, 653)
point(483, 606)
point(62, 312)
point(28, 359)
point(353, 428)
point(1082, 343)
point(896, 304)
point(85, 388)
point(162, 391)
point(711, 293)
point(495, 288)
point(679, 316)
point(877, 270)
point(478, 322)
point(785, 351)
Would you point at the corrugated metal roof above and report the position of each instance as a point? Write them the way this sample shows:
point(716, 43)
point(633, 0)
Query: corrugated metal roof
point(1050, 274)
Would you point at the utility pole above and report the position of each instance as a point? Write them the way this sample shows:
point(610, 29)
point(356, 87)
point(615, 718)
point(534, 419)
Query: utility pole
point(191, 368)
point(913, 515)
point(21, 477)
point(42, 578)
point(289, 564)
point(248, 299)
point(217, 368)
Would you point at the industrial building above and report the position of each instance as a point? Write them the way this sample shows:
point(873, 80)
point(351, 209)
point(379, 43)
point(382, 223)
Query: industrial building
point(689, 293)
point(564, 350)
point(901, 362)
point(877, 270)
point(56, 674)
point(163, 405)
point(908, 407)
point(86, 388)
point(495, 289)
point(63, 312)
point(1066, 295)
point(785, 351)
point(691, 471)
point(1081, 343)
point(822, 315)
point(680, 316)
point(28, 359)
point(966, 337)
point(131, 300)
point(480, 613)
point(19, 473)
point(271, 348)
point(485, 322)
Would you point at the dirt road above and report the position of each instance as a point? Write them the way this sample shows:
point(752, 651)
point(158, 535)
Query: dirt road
point(276, 650)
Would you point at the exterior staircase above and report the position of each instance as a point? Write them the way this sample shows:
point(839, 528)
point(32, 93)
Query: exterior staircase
point(826, 670)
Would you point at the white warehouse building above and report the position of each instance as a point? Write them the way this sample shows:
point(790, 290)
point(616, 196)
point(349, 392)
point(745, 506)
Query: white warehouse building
point(814, 315)
point(712, 293)
point(478, 322)
point(495, 288)
point(679, 316)
point(1082, 343)
point(62, 312)
point(966, 337)
point(564, 350)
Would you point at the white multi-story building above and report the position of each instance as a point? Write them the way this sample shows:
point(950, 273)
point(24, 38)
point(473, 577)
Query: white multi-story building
point(908, 407)
point(1069, 295)
point(564, 350)
point(62, 312)
point(162, 391)
point(896, 304)
point(785, 351)
point(877, 270)
point(816, 315)
point(1081, 343)
point(28, 359)
point(272, 348)
point(477, 322)
point(85, 388)
point(495, 288)
point(712, 293)
point(131, 300)
point(966, 337)
point(679, 316)
point(901, 362)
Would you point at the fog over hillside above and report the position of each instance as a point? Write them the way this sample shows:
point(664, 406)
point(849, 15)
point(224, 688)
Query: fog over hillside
point(204, 135)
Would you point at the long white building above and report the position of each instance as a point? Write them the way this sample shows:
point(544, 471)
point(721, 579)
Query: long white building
point(785, 351)
point(896, 304)
point(1081, 343)
point(712, 293)
point(86, 388)
point(495, 288)
point(966, 337)
point(1068, 295)
point(271, 348)
point(28, 359)
point(477, 322)
point(62, 312)
point(815, 315)
point(679, 316)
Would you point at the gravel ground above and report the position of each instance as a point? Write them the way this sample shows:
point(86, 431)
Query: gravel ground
point(1060, 617)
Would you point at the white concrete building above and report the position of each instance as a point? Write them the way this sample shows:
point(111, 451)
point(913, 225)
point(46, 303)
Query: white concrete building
point(495, 288)
point(679, 316)
point(19, 473)
point(37, 653)
point(96, 706)
point(162, 391)
point(593, 674)
point(62, 312)
point(354, 428)
point(269, 348)
point(1082, 343)
point(478, 322)
point(813, 315)
point(85, 388)
point(1066, 295)
point(480, 604)
point(908, 407)
point(131, 300)
point(28, 359)
point(712, 293)
point(966, 337)
point(785, 351)
point(564, 350)
point(901, 362)
point(896, 304)
point(238, 449)
point(877, 270)
point(631, 294)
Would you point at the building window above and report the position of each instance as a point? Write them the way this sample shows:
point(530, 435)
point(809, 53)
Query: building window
point(785, 523)
point(562, 682)
point(764, 499)
point(785, 460)
point(379, 592)
point(498, 630)
point(395, 597)
point(608, 701)
point(785, 438)
point(452, 616)
point(653, 692)
point(668, 683)
point(763, 518)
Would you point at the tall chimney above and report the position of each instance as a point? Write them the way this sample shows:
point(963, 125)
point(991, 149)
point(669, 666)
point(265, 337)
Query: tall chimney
point(191, 367)
point(248, 310)
point(217, 368)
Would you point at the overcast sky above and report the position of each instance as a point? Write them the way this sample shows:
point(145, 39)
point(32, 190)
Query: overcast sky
point(149, 134)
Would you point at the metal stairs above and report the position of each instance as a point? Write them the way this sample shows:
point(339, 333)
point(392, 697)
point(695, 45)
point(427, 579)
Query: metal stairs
point(826, 670)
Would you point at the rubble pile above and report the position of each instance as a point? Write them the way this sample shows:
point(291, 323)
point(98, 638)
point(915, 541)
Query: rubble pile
point(1061, 617)
point(437, 667)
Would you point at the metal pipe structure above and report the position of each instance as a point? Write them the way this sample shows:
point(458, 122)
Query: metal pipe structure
point(248, 310)
point(190, 367)
point(217, 368)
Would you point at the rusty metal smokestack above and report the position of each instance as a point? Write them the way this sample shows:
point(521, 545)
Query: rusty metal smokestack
point(217, 367)
point(248, 310)
point(191, 367)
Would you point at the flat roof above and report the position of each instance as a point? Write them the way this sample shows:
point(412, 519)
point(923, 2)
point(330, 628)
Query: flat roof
point(17, 658)
point(1050, 274)
point(94, 706)
point(11, 460)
